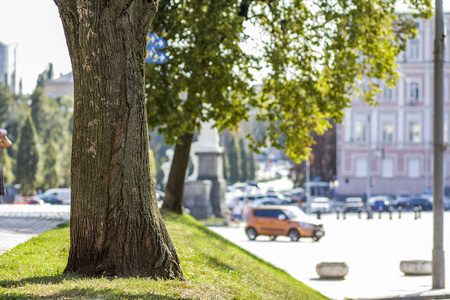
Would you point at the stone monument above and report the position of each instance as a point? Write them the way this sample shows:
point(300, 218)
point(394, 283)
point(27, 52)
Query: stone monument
point(206, 156)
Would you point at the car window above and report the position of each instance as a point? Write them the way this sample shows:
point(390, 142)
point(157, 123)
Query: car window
point(262, 213)
point(275, 213)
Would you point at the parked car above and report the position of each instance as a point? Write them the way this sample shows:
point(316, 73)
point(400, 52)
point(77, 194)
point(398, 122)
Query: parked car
point(353, 204)
point(274, 221)
point(62, 194)
point(36, 201)
point(267, 201)
point(321, 204)
point(423, 202)
point(382, 202)
point(51, 200)
point(401, 198)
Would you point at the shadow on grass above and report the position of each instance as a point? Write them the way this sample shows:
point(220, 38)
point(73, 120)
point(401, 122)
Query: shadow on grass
point(89, 293)
point(72, 292)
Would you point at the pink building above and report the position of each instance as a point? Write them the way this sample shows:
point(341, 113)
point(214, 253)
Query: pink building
point(397, 135)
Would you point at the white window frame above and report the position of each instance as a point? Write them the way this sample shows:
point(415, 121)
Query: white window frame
point(360, 129)
point(414, 91)
point(414, 137)
point(414, 49)
point(385, 134)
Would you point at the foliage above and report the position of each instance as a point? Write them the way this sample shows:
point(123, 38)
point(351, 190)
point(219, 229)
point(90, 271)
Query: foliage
point(7, 167)
point(214, 268)
point(206, 76)
point(27, 157)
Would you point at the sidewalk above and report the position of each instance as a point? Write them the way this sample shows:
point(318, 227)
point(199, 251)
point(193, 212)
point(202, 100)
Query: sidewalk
point(19, 223)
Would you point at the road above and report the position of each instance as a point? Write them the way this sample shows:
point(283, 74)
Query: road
point(18, 223)
point(372, 249)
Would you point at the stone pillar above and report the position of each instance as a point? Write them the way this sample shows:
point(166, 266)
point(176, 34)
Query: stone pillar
point(210, 167)
point(197, 199)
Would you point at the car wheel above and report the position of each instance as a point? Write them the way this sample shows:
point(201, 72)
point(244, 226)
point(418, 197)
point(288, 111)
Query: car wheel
point(316, 238)
point(273, 237)
point(251, 233)
point(294, 235)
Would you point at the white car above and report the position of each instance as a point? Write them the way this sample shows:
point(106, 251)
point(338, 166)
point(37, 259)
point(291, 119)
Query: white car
point(321, 204)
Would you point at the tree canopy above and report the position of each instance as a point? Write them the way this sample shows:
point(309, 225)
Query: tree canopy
point(317, 54)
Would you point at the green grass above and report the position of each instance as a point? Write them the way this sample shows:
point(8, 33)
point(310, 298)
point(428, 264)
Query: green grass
point(213, 268)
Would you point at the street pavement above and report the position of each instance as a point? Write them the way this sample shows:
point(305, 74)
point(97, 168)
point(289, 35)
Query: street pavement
point(373, 250)
point(18, 223)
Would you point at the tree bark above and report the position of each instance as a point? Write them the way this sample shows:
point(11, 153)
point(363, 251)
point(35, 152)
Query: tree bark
point(115, 227)
point(173, 199)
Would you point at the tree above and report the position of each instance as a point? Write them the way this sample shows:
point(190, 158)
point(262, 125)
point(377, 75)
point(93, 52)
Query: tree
point(316, 52)
point(27, 157)
point(50, 169)
point(244, 161)
point(235, 160)
point(113, 195)
point(205, 78)
point(251, 165)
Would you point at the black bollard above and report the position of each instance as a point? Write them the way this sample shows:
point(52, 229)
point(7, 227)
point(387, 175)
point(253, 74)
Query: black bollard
point(400, 208)
point(415, 213)
point(359, 212)
point(344, 214)
point(420, 212)
point(380, 210)
point(338, 211)
point(318, 213)
point(390, 212)
point(369, 213)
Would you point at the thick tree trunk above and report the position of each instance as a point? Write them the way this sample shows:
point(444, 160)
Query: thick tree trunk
point(115, 227)
point(173, 200)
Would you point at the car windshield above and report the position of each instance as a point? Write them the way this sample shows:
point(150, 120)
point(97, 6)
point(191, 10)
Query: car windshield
point(294, 213)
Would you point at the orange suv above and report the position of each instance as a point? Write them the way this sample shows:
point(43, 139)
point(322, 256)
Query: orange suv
point(282, 220)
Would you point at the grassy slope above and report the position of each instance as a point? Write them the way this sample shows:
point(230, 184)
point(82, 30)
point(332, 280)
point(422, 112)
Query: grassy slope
point(213, 268)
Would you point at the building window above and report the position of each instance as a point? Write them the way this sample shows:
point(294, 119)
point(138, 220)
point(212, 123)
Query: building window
point(414, 49)
point(414, 92)
point(387, 132)
point(387, 93)
point(414, 168)
point(361, 167)
point(414, 132)
point(360, 131)
point(387, 168)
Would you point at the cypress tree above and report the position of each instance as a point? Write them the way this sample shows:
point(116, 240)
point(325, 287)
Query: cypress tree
point(50, 172)
point(27, 157)
point(244, 161)
point(251, 165)
point(226, 166)
point(235, 161)
point(7, 166)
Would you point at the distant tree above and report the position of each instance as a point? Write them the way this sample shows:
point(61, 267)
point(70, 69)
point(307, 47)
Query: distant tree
point(50, 169)
point(251, 165)
point(226, 166)
point(235, 160)
point(6, 103)
point(27, 157)
point(244, 161)
point(7, 167)
point(44, 76)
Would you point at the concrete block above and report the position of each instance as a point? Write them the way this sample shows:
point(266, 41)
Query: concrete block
point(332, 270)
point(416, 267)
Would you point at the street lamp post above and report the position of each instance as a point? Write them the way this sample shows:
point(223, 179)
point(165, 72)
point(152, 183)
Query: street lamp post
point(438, 271)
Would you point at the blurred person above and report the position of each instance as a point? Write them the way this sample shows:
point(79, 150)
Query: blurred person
point(245, 210)
point(237, 211)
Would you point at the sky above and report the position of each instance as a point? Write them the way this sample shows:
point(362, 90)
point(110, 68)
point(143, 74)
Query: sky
point(35, 27)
